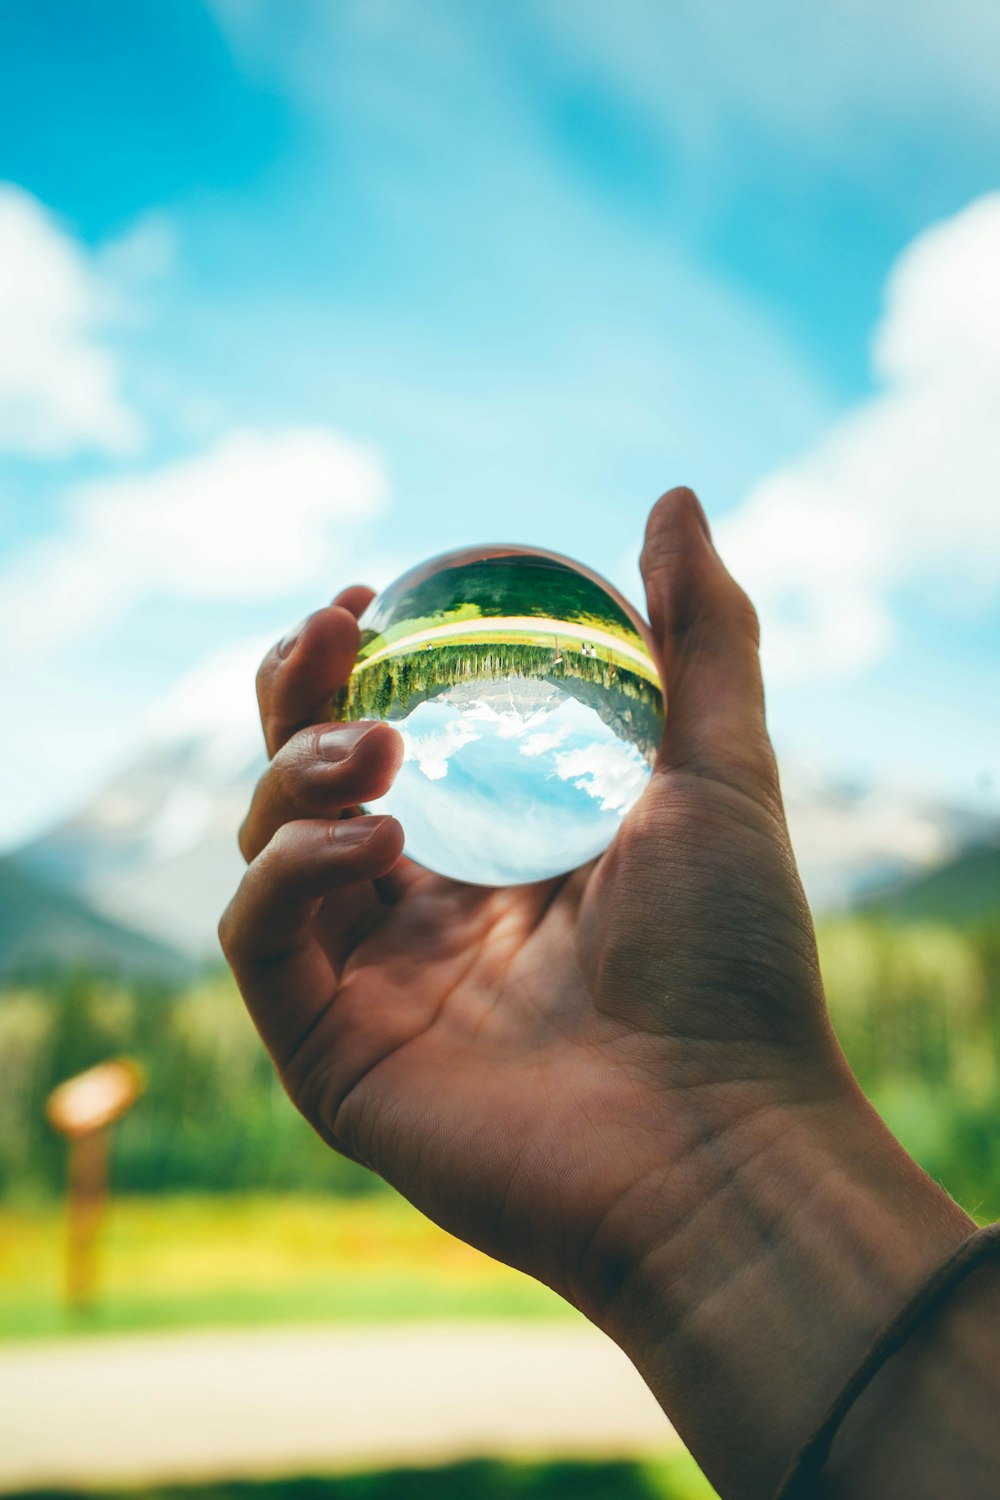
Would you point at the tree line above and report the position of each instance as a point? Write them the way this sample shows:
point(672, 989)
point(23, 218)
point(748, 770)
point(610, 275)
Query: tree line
point(917, 1009)
point(394, 685)
point(214, 1117)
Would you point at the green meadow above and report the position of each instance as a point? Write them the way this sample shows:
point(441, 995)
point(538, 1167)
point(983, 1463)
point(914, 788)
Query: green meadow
point(229, 1209)
point(525, 587)
point(209, 1260)
point(673, 1478)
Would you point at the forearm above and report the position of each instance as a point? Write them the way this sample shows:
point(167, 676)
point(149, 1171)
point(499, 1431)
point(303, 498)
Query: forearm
point(794, 1236)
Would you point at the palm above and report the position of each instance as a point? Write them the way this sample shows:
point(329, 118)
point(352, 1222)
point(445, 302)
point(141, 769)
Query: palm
point(493, 1041)
point(441, 1035)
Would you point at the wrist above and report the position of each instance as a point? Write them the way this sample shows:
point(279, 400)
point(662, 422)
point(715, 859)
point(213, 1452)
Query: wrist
point(925, 1425)
point(753, 1271)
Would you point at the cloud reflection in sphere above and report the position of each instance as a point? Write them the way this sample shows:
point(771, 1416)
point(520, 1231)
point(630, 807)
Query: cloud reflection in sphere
point(529, 705)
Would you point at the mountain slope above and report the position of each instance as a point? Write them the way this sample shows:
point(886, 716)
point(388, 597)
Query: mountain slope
point(156, 849)
point(963, 891)
point(42, 927)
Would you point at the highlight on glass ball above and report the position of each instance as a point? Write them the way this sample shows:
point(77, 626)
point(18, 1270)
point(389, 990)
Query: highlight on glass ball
point(529, 705)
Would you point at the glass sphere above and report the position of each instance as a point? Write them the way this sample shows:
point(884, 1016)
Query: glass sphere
point(529, 705)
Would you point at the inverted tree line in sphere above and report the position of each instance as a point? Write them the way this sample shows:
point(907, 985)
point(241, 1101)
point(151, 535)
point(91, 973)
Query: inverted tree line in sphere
point(394, 685)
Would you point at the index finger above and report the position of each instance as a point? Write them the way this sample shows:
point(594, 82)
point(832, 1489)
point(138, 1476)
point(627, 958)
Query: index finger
point(300, 674)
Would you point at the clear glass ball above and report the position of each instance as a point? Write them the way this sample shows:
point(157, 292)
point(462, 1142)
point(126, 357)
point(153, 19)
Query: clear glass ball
point(529, 705)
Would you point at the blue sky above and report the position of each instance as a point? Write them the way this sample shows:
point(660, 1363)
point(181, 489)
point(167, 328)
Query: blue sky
point(293, 293)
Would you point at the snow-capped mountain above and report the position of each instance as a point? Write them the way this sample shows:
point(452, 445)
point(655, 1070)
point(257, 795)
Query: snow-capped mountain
point(156, 849)
point(44, 927)
point(852, 840)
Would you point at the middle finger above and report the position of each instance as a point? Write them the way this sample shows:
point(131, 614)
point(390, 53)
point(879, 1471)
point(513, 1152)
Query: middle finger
point(318, 773)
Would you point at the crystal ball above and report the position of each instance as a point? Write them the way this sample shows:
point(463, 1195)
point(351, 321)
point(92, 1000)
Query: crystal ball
point(529, 705)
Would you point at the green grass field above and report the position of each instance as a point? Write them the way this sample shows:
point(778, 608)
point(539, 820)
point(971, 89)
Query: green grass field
point(204, 1261)
point(528, 585)
point(675, 1478)
point(406, 629)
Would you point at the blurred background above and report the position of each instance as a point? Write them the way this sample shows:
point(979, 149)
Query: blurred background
point(294, 293)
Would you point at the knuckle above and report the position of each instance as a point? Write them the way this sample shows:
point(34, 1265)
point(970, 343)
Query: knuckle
point(286, 774)
point(746, 770)
point(265, 672)
point(304, 781)
point(281, 849)
point(291, 778)
point(745, 611)
point(302, 745)
point(243, 838)
point(307, 1084)
point(227, 932)
point(658, 556)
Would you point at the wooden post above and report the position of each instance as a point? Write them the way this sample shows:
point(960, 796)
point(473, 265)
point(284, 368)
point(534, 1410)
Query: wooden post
point(86, 1200)
point(83, 1109)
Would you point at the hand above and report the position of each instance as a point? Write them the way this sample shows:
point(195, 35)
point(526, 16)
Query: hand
point(578, 1076)
point(520, 1061)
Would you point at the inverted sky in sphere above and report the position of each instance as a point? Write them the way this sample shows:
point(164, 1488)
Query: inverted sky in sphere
point(499, 795)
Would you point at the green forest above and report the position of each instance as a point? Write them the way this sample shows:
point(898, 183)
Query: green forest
point(395, 685)
point(674, 1477)
point(214, 1117)
point(535, 586)
point(917, 1009)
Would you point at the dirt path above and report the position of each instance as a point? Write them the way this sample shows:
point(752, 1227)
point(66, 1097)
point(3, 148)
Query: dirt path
point(224, 1404)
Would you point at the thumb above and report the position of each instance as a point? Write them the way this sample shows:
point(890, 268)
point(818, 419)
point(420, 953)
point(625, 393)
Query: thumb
point(706, 634)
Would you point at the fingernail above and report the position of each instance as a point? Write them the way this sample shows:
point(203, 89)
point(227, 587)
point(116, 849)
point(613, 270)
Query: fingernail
point(287, 643)
point(339, 743)
point(354, 831)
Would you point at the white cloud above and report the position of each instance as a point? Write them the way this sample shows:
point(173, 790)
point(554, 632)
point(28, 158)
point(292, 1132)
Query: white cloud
point(613, 774)
point(59, 383)
point(821, 73)
point(258, 517)
point(904, 490)
point(543, 742)
point(214, 706)
point(147, 250)
point(943, 303)
point(433, 751)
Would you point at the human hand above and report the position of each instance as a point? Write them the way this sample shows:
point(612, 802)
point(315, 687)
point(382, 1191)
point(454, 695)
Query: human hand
point(520, 1062)
point(584, 1076)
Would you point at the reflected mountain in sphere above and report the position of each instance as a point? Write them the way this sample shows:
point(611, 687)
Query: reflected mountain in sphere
point(529, 706)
